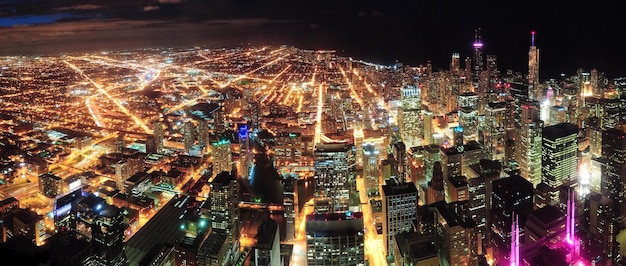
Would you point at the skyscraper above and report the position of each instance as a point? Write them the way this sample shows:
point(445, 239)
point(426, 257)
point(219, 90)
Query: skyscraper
point(528, 142)
point(335, 239)
point(409, 119)
point(157, 132)
point(202, 131)
point(222, 156)
point(468, 116)
point(189, 136)
point(559, 159)
point(456, 238)
point(399, 210)
point(428, 127)
point(613, 169)
point(455, 63)
point(478, 63)
point(371, 170)
point(511, 196)
point(223, 199)
point(219, 121)
point(85, 216)
point(335, 171)
point(534, 87)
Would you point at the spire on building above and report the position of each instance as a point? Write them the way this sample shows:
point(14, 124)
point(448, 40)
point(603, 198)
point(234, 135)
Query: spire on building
point(478, 57)
point(514, 257)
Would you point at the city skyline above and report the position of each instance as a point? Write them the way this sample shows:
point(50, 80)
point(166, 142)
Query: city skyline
point(569, 36)
point(256, 133)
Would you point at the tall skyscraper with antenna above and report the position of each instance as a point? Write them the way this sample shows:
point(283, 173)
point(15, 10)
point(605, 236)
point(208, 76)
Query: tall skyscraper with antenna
point(478, 57)
point(534, 88)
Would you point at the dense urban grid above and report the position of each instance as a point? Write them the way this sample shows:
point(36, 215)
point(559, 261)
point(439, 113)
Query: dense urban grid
point(275, 155)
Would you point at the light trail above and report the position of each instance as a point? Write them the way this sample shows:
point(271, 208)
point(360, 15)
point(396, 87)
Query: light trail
point(137, 121)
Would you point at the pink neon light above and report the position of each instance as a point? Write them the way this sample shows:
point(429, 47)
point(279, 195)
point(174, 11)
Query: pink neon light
point(478, 45)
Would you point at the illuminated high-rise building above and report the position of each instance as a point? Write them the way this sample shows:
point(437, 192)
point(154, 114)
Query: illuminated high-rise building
point(428, 127)
point(480, 177)
point(335, 239)
point(534, 86)
point(602, 224)
point(219, 120)
point(222, 156)
point(492, 71)
point(371, 170)
point(223, 199)
point(492, 133)
point(126, 168)
point(559, 159)
point(468, 116)
point(399, 210)
point(455, 63)
point(409, 120)
point(478, 64)
point(608, 112)
point(335, 171)
point(456, 238)
point(557, 115)
point(50, 185)
point(189, 136)
point(359, 136)
point(157, 132)
point(202, 131)
point(528, 142)
point(613, 170)
point(511, 196)
point(84, 216)
point(468, 69)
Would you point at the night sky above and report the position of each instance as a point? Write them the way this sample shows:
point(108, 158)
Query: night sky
point(569, 36)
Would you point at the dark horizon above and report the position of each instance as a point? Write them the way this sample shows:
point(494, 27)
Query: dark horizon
point(569, 37)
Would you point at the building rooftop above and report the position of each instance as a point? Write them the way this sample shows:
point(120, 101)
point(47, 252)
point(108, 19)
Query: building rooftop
point(458, 181)
point(547, 215)
point(452, 218)
point(415, 245)
point(398, 189)
point(559, 131)
point(333, 147)
point(334, 224)
point(223, 179)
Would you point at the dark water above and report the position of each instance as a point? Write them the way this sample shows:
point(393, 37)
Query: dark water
point(265, 181)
